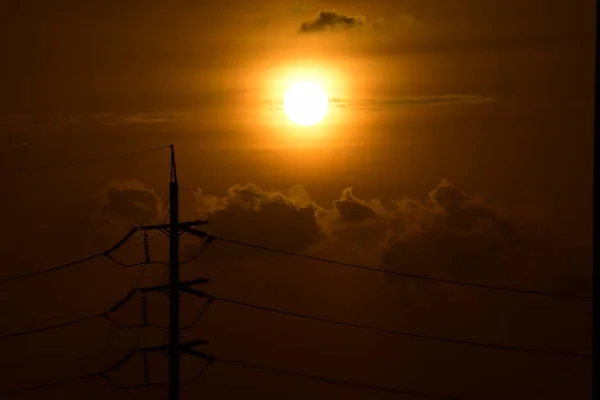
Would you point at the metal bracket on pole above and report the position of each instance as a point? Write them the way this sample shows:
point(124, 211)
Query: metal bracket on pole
point(182, 225)
point(184, 286)
point(185, 347)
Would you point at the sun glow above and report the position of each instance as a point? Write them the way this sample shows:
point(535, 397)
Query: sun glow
point(305, 103)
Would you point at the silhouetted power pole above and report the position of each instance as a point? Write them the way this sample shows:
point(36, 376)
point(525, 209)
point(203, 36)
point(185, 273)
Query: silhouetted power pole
point(174, 229)
point(596, 256)
point(174, 282)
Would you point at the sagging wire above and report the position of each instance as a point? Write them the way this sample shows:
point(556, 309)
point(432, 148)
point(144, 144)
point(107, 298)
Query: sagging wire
point(209, 301)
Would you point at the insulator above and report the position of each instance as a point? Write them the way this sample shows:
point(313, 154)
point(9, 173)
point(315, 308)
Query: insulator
point(146, 248)
point(124, 239)
point(145, 309)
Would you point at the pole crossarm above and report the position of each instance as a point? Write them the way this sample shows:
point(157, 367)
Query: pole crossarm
point(185, 347)
point(184, 286)
point(181, 225)
point(194, 232)
point(194, 292)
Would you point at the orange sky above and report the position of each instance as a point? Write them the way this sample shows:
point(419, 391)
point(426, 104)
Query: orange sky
point(458, 112)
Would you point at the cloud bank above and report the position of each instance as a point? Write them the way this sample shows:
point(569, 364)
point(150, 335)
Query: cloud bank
point(452, 234)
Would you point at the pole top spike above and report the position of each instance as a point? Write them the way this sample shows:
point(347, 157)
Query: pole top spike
point(173, 165)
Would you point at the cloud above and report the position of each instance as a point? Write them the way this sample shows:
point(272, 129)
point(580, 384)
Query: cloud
point(455, 233)
point(331, 20)
point(269, 218)
point(114, 119)
point(129, 202)
point(452, 234)
point(416, 101)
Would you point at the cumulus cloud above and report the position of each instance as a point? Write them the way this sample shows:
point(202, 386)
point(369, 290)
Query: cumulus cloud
point(129, 202)
point(329, 19)
point(452, 234)
point(269, 218)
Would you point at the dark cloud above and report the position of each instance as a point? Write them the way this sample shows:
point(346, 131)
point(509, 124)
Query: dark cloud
point(266, 218)
point(351, 207)
point(331, 20)
point(130, 203)
point(459, 235)
point(355, 222)
point(453, 234)
point(438, 100)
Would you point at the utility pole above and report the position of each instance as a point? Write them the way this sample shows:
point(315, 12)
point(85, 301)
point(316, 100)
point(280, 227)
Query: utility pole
point(596, 212)
point(174, 282)
point(175, 288)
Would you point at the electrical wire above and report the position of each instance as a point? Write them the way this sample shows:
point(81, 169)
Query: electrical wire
point(105, 253)
point(403, 333)
point(81, 162)
point(200, 314)
point(53, 269)
point(50, 384)
point(205, 243)
point(101, 373)
point(121, 264)
point(105, 315)
point(210, 360)
point(333, 381)
point(405, 274)
point(50, 327)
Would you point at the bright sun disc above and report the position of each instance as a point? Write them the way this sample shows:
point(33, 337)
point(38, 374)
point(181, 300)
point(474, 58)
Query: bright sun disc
point(305, 103)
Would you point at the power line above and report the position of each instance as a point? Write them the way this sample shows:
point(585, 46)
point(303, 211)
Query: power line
point(405, 274)
point(105, 253)
point(105, 314)
point(137, 264)
point(200, 313)
point(403, 333)
point(51, 384)
point(81, 162)
point(52, 269)
point(101, 373)
point(203, 246)
point(333, 381)
point(50, 327)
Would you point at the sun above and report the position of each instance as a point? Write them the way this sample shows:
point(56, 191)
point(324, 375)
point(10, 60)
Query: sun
point(305, 103)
